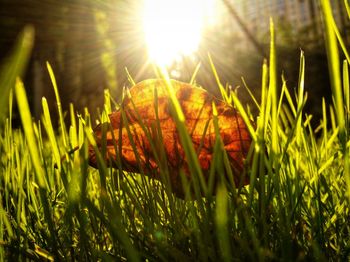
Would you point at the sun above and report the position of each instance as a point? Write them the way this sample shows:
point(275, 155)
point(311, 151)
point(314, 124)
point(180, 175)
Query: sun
point(173, 28)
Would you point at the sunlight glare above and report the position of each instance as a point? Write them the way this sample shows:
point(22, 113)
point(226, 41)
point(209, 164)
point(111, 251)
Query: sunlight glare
point(173, 28)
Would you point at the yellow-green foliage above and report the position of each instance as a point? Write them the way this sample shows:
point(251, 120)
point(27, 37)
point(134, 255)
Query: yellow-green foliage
point(53, 205)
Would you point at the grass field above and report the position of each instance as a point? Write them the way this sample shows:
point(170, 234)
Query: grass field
point(295, 208)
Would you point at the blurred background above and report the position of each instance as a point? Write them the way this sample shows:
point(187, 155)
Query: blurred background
point(90, 44)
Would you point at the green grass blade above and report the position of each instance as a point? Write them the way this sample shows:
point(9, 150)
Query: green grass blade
point(346, 88)
point(250, 93)
point(340, 40)
point(15, 65)
point(244, 115)
point(50, 132)
point(193, 78)
point(185, 138)
point(35, 157)
point(347, 7)
point(29, 132)
point(262, 115)
point(130, 79)
point(300, 100)
point(334, 67)
point(273, 90)
point(221, 220)
point(221, 87)
point(73, 131)
point(59, 105)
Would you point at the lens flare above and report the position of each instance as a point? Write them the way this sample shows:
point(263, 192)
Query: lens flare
point(173, 28)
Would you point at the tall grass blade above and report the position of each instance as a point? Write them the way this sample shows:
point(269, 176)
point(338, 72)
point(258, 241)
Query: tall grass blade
point(50, 132)
point(273, 90)
point(130, 79)
point(347, 7)
point(334, 67)
point(14, 66)
point(32, 142)
point(221, 87)
point(59, 105)
point(185, 138)
point(250, 93)
point(222, 224)
point(195, 72)
point(29, 133)
point(300, 102)
point(340, 40)
point(346, 89)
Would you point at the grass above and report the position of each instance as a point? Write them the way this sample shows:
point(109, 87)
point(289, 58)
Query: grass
point(295, 208)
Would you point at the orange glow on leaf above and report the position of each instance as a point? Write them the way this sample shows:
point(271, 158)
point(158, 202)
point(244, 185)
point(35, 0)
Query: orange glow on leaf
point(196, 104)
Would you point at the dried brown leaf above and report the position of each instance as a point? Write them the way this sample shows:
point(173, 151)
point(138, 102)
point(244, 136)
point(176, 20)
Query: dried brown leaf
point(196, 104)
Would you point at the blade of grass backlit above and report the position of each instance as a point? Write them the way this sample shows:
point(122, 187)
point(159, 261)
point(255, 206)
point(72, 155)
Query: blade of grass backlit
point(250, 93)
point(50, 132)
point(232, 97)
point(221, 87)
point(347, 7)
point(199, 185)
point(218, 162)
point(346, 88)
point(130, 79)
point(288, 96)
point(29, 132)
point(273, 90)
point(73, 131)
point(100, 160)
point(59, 106)
point(193, 78)
point(260, 147)
point(27, 123)
point(340, 40)
point(301, 83)
point(15, 65)
point(300, 102)
point(244, 115)
point(186, 141)
point(324, 123)
point(333, 118)
point(282, 94)
point(334, 67)
point(335, 76)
